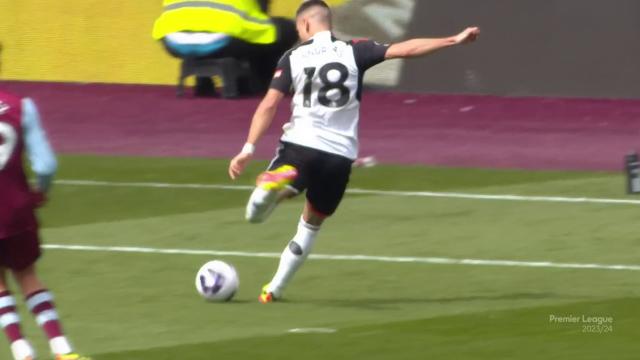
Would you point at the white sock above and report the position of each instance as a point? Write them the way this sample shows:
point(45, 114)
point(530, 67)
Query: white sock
point(60, 346)
point(21, 349)
point(293, 257)
point(260, 205)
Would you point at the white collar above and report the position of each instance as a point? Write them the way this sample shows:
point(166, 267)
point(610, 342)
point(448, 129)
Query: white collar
point(322, 35)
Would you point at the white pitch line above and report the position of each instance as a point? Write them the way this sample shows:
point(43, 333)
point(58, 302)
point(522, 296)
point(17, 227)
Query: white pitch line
point(312, 331)
point(387, 259)
point(450, 195)
point(153, 185)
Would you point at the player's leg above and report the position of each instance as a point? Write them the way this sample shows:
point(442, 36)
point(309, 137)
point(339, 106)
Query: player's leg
point(272, 186)
point(10, 322)
point(284, 178)
point(295, 253)
point(328, 181)
point(9, 318)
point(39, 300)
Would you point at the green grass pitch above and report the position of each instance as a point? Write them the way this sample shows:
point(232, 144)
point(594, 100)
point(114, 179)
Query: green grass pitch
point(118, 306)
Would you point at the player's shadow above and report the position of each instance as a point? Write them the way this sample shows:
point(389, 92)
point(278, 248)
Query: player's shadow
point(387, 303)
point(230, 302)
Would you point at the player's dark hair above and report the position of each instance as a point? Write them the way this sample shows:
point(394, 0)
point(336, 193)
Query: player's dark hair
point(311, 3)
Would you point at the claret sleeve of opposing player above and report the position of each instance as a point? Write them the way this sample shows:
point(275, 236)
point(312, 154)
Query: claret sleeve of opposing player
point(282, 76)
point(368, 53)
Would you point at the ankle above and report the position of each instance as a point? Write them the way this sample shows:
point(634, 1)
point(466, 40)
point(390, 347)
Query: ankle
point(22, 350)
point(60, 346)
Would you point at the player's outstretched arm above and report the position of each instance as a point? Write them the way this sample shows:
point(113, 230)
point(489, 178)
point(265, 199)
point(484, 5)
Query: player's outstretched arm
point(262, 119)
point(421, 47)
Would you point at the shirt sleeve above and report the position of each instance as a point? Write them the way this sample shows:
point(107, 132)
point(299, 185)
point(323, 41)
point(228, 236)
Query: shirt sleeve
point(282, 76)
point(368, 53)
point(41, 156)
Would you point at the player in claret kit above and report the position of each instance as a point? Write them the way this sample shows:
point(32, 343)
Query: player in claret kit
point(320, 142)
point(21, 132)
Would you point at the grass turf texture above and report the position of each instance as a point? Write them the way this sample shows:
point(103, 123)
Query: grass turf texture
point(144, 306)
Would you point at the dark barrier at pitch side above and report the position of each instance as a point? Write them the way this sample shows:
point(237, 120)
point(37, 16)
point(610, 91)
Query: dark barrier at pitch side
point(574, 48)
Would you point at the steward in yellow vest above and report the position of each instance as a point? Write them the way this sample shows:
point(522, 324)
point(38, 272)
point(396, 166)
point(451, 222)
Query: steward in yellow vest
point(241, 19)
point(239, 29)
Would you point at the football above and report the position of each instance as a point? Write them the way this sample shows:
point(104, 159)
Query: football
point(217, 281)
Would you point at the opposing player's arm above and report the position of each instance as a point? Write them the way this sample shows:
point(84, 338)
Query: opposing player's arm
point(41, 156)
point(421, 47)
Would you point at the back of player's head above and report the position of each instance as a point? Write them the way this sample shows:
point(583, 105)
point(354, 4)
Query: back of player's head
point(317, 9)
point(306, 5)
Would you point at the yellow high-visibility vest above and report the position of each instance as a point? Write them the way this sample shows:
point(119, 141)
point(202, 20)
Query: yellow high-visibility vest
point(242, 19)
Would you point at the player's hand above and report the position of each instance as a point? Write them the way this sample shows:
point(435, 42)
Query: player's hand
point(38, 199)
point(467, 36)
point(238, 163)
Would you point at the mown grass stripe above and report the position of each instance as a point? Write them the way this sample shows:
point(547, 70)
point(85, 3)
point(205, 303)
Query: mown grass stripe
point(387, 259)
point(449, 195)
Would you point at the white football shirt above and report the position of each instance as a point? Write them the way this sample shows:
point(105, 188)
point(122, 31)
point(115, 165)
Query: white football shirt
point(326, 76)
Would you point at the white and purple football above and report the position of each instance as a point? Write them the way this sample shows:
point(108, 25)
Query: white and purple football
point(217, 281)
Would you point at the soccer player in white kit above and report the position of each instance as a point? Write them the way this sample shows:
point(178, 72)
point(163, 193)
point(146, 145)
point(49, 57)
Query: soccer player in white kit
point(320, 142)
